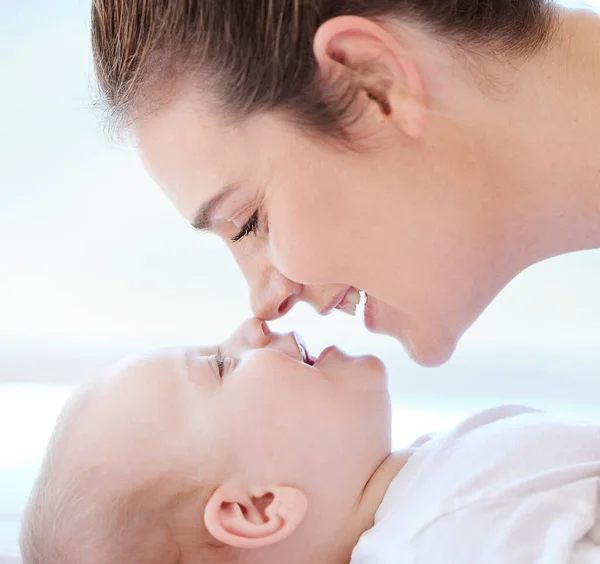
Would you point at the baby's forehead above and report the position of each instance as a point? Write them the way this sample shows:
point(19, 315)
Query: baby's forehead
point(136, 382)
point(144, 407)
point(113, 408)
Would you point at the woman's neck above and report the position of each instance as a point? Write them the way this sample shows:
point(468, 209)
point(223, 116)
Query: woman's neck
point(552, 206)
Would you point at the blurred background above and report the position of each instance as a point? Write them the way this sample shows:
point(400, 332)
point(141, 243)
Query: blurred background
point(95, 264)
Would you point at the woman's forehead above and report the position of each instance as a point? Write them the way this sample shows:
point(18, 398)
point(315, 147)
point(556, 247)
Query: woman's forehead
point(191, 157)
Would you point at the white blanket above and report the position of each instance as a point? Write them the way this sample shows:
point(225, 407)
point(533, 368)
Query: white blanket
point(507, 486)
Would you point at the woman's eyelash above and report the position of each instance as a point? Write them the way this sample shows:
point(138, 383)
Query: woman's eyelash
point(220, 361)
point(251, 226)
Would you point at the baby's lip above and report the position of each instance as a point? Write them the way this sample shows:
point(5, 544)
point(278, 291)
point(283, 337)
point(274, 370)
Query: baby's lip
point(325, 352)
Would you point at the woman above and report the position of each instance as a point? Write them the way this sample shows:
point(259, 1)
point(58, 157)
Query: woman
point(422, 151)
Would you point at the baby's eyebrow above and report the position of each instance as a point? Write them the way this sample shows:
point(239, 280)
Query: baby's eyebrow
point(204, 216)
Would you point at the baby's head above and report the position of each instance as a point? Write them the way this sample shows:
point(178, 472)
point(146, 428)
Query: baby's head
point(247, 453)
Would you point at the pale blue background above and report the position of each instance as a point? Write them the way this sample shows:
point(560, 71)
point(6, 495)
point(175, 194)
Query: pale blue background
point(95, 263)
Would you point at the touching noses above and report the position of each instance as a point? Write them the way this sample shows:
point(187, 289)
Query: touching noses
point(272, 295)
point(257, 335)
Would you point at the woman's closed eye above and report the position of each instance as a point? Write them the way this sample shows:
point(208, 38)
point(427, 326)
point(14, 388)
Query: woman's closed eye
point(251, 226)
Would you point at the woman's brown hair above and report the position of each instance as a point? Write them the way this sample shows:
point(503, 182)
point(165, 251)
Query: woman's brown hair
point(250, 56)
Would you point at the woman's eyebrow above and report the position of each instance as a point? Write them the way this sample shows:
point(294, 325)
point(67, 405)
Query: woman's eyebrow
point(204, 216)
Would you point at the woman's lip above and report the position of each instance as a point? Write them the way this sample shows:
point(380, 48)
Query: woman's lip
point(375, 316)
point(369, 313)
point(377, 320)
point(337, 300)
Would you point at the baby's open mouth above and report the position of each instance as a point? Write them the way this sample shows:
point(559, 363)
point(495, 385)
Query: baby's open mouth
point(306, 358)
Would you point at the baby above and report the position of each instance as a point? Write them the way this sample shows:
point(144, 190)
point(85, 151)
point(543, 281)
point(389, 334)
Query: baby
point(254, 452)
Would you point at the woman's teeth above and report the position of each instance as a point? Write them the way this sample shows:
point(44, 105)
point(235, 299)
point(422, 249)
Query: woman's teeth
point(350, 302)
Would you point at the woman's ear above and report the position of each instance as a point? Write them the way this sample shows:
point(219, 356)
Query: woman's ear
point(256, 517)
point(357, 51)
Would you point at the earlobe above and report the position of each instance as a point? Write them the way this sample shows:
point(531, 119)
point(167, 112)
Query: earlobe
point(255, 517)
point(378, 63)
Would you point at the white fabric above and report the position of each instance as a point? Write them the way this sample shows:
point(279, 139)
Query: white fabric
point(507, 486)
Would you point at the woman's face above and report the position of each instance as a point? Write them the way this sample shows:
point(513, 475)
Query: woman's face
point(401, 219)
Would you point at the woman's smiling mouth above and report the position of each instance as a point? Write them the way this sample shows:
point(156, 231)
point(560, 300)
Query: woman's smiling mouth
point(346, 301)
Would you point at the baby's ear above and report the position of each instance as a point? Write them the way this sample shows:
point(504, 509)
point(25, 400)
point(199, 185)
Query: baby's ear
point(254, 517)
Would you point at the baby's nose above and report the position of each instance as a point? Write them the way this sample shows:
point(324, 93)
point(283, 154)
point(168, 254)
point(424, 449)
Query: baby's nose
point(290, 344)
point(257, 333)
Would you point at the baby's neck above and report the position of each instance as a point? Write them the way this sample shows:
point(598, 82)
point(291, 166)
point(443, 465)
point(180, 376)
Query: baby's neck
point(377, 487)
point(363, 518)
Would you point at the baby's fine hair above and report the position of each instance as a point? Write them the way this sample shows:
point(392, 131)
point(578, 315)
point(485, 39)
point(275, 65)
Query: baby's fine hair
point(79, 514)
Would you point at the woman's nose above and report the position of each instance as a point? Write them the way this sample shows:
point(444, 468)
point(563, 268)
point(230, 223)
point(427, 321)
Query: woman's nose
point(273, 295)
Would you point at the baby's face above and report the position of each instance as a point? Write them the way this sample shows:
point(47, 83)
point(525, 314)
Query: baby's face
point(261, 412)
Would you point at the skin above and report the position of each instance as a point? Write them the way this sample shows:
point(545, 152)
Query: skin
point(468, 172)
point(300, 454)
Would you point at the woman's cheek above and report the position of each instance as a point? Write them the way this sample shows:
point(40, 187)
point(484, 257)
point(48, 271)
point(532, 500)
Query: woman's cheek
point(299, 252)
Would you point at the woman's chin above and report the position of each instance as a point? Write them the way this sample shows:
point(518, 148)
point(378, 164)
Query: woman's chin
point(432, 357)
point(428, 350)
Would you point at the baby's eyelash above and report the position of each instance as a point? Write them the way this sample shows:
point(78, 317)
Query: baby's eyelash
point(251, 226)
point(220, 361)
